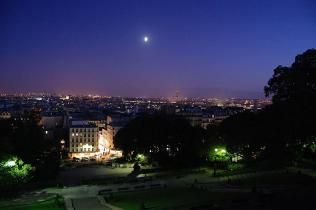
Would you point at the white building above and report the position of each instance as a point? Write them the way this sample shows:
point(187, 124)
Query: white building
point(5, 115)
point(83, 140)
point(105, 142)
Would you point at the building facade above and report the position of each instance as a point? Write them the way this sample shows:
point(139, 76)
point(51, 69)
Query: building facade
point(83, 141)
point(5, 115)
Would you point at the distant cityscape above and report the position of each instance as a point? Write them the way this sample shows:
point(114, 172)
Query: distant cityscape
point(157, 105)
point(86, 125)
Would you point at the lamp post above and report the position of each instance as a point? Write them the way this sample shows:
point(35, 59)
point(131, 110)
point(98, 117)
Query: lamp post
point(214, 167)
point(218, 152)
point(62, 143)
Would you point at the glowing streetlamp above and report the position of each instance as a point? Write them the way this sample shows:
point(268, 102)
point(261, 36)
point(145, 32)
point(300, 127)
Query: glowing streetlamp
point(141, 158)
point(15, 169)
point(219, 153)
point(10, 163)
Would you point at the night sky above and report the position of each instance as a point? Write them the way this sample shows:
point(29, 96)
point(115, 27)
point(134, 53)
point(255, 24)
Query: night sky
point(201, 48)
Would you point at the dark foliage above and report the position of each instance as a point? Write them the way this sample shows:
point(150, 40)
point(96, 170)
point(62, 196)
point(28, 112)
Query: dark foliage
point(285, 130)
point(25, 139)
point(164, 138)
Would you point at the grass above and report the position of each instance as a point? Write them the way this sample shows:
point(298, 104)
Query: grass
point(277, 179)
point(50, 204)
point(169, 198)
point(298, 192)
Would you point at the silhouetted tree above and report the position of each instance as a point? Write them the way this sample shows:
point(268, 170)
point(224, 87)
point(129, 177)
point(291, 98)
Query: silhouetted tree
point(296, 83)
point(293, 91)
point(280, 131)
point(164, 138)
point(25, 139)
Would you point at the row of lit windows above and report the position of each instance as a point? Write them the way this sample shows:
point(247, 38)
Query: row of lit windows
point(77, 145)
point(80, 134)
point(83, 129)
point(82, 149)
point(83, 140)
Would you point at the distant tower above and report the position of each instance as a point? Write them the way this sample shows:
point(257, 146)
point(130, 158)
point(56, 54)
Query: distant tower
point(175, 98)
point(177, 95)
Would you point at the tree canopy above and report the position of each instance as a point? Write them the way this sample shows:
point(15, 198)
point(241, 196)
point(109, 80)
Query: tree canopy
point(14, 170)
point(25, 139)
point(296, 83)
point(285, 128)
point(161, 137)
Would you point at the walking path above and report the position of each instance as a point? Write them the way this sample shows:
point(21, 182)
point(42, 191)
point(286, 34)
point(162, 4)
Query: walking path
point(309, 172)
point(86, 196)
point(90, 203)
point(210, 180)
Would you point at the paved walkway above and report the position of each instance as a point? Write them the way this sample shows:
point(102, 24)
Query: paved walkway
point(188, 180)
point(91, 203)
point(308, 172)
point(85, 196)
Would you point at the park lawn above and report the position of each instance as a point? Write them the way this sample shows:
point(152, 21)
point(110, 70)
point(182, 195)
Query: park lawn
point(168, 198)
point(277, 179)
point(50, 204)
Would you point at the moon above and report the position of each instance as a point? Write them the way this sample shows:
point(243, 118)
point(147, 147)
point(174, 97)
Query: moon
point(146, 39)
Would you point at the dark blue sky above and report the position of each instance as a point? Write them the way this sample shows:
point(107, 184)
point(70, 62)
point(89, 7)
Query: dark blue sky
point(202, 48)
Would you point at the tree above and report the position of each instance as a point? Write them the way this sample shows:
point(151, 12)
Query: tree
point(296, 83)
point(13, 172)
point(293, 91)
point(243, 134)
point(218, 154)
point(164, 138)
point(280, 131)
point(25, 139)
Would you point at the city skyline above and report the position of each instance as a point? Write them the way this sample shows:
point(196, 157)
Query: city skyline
point(177, 93)
point(206, 48)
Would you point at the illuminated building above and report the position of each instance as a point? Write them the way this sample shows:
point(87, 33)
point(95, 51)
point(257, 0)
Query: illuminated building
point(83, 140)
point(105, 142)
point(5, 115)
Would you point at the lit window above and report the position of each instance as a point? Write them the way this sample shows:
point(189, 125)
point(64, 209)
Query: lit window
point(73, 134)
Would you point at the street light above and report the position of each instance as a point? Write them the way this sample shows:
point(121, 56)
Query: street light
point(214, 167)
point(218, 152)
point(10, 163)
